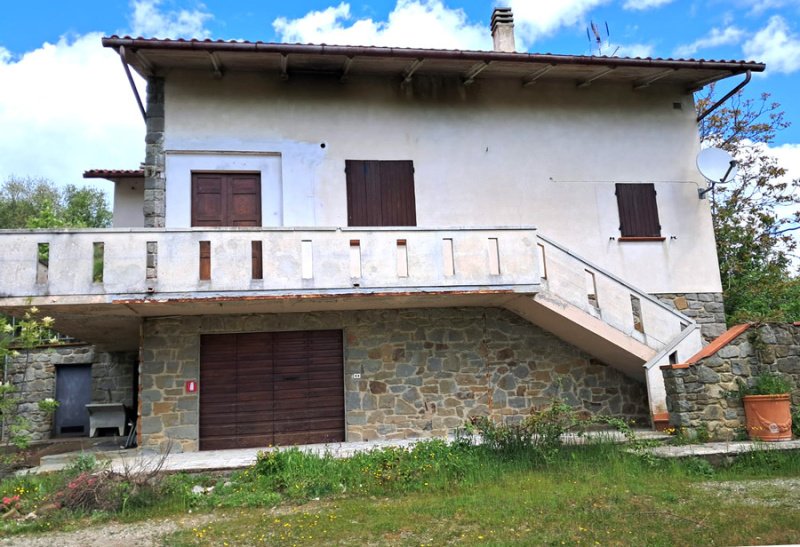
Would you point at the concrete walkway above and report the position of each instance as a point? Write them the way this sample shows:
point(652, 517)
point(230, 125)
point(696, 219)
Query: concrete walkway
point(219, 460)
point(720, 450)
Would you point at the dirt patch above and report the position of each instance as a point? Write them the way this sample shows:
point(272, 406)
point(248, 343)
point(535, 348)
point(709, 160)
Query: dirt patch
point(766, 493)
point(145, 533)
point(141, 534)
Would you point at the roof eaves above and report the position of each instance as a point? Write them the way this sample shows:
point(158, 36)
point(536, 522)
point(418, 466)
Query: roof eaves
point(376, 51)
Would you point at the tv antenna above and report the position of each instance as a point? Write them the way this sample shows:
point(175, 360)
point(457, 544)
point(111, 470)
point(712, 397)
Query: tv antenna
point(717, 166)
point(594, 33)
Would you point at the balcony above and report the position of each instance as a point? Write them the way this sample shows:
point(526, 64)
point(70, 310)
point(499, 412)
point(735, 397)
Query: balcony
point(99, 283)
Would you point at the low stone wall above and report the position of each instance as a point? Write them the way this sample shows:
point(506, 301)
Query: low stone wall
point(707, 309)
point(423, 371)
point(34, 376)
point(704, 395)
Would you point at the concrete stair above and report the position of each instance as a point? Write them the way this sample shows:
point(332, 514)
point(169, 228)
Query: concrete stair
point(608, 318)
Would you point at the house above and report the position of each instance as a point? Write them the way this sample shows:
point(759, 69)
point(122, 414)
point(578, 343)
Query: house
point(336, 243)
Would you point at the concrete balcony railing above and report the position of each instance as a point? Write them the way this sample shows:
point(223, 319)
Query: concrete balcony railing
point(102, 266)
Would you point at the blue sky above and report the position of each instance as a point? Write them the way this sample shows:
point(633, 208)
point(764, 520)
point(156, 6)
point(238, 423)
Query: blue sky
point(65, 105)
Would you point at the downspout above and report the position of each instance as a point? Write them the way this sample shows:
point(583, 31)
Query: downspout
point(730, 94)
point(121, 52)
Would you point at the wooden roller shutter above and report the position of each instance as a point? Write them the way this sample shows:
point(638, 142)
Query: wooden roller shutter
point(280, 388)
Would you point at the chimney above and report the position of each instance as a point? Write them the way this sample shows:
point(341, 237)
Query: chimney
point(503, 30)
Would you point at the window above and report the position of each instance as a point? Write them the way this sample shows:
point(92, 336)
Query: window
point(380, 193)
point(638, 211)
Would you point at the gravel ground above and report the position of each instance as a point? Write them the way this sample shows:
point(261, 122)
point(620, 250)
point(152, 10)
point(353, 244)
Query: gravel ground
point(139, 534)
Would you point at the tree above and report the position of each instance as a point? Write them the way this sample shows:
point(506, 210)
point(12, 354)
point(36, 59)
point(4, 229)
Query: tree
point(756, 215)
point(19, 338)
point(38, 203)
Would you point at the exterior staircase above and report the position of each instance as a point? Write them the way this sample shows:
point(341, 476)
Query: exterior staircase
point(608, 318)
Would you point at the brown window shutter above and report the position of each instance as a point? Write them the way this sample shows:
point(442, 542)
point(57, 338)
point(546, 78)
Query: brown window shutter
point(398, 204)
point(638, 210)
point(380, 193)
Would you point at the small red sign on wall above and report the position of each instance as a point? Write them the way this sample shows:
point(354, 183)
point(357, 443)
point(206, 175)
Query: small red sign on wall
point(191, 386)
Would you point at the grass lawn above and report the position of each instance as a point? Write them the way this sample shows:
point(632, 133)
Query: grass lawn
point(587, 496)
point(521, 486)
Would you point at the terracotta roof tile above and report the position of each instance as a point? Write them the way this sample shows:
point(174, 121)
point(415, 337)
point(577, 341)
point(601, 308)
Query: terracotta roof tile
point(112, 173)
point(717, 344)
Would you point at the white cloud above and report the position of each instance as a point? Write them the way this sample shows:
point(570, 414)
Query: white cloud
point(717, 37)
point(149, 21)
point(640, 5)
point(789, 158)
point(69, 109)
point(429, 23)
point(535, 20)
point(760, 6)
point(775, 45)
point(412, 23)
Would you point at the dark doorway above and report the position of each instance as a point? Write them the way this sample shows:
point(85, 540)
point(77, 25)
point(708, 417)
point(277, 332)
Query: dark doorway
point(73, 393)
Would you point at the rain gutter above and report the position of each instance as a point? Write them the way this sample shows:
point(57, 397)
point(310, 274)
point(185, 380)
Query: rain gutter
point(727, 96)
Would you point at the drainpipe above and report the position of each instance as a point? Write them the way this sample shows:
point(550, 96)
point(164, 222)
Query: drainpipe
point(730, 94)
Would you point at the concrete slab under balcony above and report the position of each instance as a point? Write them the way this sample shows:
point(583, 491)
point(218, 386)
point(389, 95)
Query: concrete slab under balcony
point(99, 284)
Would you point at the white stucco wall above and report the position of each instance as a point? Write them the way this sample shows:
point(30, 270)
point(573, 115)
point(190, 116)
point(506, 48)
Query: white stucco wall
point(492, 154)
point(128, 200)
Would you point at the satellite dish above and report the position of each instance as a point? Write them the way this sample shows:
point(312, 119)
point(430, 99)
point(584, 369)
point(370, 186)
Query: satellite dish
point(717, 166)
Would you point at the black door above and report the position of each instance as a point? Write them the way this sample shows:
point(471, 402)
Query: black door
point(73, 393)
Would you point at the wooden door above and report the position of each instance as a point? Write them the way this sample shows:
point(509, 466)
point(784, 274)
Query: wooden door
point(226, 199)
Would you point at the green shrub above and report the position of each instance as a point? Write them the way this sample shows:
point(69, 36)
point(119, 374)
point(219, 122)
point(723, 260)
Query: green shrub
point(541, 433)
point(767, 383)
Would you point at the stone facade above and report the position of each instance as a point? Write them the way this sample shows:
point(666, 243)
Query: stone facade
point(704, 395)
point(707, 309)
point(155, 183)
point(34, 377)
point(423, 371)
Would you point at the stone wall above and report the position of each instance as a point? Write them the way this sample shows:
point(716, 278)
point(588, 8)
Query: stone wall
point(423, 371)
point(707, 309)
point(34, 377)
point(704, 395)
point(154, 177)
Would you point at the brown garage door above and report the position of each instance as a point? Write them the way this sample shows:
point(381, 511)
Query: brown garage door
point(271, 388)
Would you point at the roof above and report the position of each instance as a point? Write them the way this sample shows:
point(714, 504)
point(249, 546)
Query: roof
point(113, 174)
point(149, 56)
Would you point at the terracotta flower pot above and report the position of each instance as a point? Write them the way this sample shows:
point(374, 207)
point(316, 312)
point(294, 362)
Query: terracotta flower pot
point(769, 417)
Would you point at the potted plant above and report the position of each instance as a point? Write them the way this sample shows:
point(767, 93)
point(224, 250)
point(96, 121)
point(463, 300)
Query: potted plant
point(767, 408)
